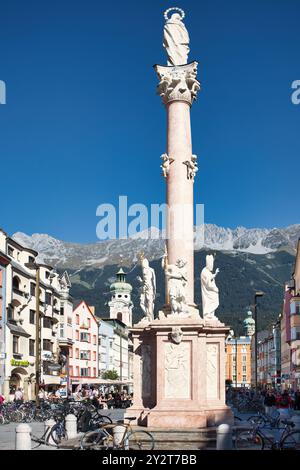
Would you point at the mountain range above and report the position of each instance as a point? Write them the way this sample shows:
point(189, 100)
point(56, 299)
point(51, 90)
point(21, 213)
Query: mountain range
point(248, 259)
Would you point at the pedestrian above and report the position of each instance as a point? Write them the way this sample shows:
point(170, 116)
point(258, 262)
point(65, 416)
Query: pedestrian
point(297, 400)
point(2, 399)
point(269, 402)
point(18, 396)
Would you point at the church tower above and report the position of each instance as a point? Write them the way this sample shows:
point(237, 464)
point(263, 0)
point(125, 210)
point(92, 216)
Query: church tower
point(120, 305)
point(249, 324)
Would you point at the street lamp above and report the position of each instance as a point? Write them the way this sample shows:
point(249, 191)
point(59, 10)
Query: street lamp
point(257, 294)
point(35, 266)
point(231, 336)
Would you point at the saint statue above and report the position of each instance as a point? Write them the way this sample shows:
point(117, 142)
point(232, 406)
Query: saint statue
point(176, 277)
point(176, 38)
point(209, 290)
point(148, 289)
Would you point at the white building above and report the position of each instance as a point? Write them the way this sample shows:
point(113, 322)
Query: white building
point(105, 341)
point(115, 348)
point(18, 322)
point(83, 365)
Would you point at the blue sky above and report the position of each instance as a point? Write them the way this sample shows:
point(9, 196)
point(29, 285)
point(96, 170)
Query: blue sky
point(82, 124)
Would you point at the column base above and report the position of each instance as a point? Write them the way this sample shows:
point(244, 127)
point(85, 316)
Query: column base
point(181, 418)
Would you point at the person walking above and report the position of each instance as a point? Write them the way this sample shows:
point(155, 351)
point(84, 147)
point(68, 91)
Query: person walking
point(297, 400)
point(269, 402)
point(18, 396)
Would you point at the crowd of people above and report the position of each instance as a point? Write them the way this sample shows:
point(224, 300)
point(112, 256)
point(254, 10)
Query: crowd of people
point(98, 397)
point(104, 400)
point(271, 398)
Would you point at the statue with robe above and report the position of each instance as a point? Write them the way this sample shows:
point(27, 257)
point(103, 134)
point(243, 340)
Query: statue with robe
point(148, 289)
point(209, 290)
point(176, 38)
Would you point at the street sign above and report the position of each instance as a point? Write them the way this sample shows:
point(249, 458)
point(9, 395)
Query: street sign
point(2, 355)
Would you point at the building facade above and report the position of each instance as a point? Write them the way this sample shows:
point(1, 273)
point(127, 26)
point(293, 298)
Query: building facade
point(19, 329)
point(238, 361)
point(84, 361)
point(105, 341)
point(268, 357)
point(290, 329)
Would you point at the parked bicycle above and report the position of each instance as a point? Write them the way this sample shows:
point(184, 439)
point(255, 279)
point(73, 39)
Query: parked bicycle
point(104, 439)
point(257, 438)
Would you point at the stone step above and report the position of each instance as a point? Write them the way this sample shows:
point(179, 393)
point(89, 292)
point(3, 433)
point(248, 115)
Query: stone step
point(169, 439)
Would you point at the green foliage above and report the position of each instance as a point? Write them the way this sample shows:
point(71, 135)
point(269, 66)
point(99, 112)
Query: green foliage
point(110, 375)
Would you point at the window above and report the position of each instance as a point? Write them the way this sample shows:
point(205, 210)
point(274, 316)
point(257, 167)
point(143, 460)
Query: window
point(295, 307)
point(77, 353)
point(84, 372)
point(77, 319)
point(244, 368)
point(62, 310)
point(47, 274)
point(71, 370)
point(233, 358)
point(30, 259)
point(32, 289)
point(84, 337)
point(244, 378)
point(244, 358)
point(77, 335)
point(94, 339)
point(84, 355)
point(47, 323)
point(10, 251)
point(47, 345)
point(16, 283)
point(32, 317)
point(15, 344)
point(234, 378)
point(95, 371)
point(119, 316)
point(89, 322)
point(94, 355)
point(31, 347)
point(48, 298)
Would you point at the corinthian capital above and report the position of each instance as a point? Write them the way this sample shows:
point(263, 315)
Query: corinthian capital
point(178, 83)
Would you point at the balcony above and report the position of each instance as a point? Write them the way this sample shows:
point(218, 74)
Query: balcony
point(64, 335)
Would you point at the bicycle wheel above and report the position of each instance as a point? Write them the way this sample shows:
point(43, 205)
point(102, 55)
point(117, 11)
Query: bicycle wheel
point(291, 441)
point(103, 419)
point(94, 440)
point(140, 440)
point(2, 420)
point(246, 440)
point(58, 433)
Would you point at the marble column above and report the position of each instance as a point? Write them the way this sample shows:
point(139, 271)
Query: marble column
point(178, 87)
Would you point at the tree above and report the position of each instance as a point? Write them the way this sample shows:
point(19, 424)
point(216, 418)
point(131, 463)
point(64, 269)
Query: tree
point(110, 374)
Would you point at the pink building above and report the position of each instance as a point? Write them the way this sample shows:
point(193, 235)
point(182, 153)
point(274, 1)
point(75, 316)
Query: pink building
point(84, 352)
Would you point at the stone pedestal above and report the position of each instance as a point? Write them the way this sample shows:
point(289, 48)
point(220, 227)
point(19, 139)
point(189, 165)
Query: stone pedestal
point(179, 384)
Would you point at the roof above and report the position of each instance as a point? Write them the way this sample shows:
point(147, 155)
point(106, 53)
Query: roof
point(83, 302)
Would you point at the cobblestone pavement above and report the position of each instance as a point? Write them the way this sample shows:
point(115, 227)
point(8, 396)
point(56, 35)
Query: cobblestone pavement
point(8, 431)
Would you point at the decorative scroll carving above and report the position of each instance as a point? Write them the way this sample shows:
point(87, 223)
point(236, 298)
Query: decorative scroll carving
point(178, 83)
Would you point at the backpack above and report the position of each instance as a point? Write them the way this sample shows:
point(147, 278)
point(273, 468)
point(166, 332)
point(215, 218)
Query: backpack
point(284, 400)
